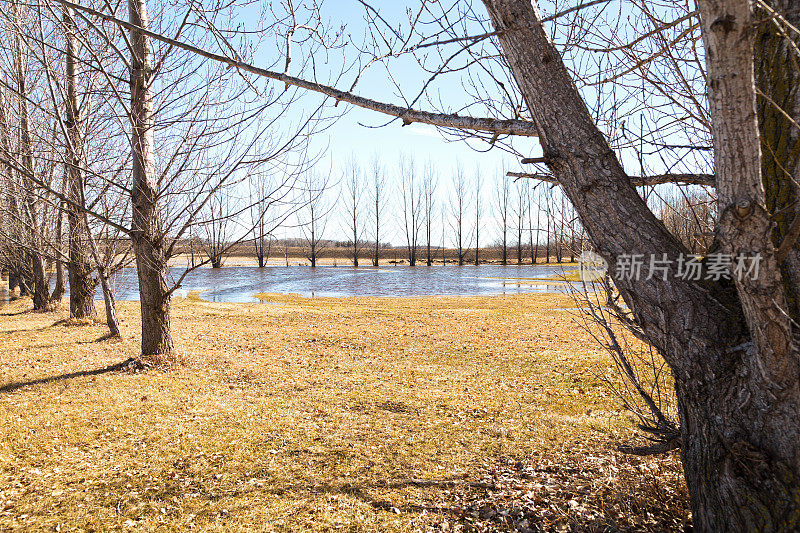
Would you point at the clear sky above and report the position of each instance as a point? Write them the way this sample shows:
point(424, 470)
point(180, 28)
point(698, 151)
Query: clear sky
point(363, 134)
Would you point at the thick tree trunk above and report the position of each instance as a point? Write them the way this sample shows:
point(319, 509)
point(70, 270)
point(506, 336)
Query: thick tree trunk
point(766, 484)
point(41, 286)
point(81, 284)
point(13, 278)
point(60, 288)
point(25, 282)
point(778, 78)
point(146, 237)
point(738, 394)
point(155, 302)
point(737, 450)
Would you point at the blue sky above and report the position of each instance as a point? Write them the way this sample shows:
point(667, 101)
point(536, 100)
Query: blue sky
point(363, 134)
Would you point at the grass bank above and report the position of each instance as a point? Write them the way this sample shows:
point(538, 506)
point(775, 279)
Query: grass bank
point(418, 414)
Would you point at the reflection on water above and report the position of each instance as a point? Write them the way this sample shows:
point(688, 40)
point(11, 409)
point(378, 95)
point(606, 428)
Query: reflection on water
point(240, 284)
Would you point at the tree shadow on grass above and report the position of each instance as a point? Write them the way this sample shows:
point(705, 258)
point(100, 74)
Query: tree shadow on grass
point(10, 387)
point(102, 338)
point(18, 313)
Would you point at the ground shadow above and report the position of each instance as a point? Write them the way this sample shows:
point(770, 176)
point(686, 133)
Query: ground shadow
point(10, 387)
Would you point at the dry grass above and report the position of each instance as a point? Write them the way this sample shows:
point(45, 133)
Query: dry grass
point(352, 414)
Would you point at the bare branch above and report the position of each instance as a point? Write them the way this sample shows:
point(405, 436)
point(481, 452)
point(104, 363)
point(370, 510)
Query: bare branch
point(707, 180)
point(408, 116)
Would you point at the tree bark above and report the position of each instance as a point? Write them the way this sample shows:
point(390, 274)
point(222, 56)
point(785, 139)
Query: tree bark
point(739, 432)
point(777, 75)
point(60, 287)
point(108, 295)
point(151, 264)
point(81, 284)
point(29, 208)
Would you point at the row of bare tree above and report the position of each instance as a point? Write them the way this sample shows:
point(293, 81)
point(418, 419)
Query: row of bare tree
point(526, 221)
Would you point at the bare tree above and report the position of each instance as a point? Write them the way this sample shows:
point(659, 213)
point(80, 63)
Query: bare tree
point(262, 219)
point(218, 225)
point(60, 287)
point(429, 204)
point(151, 261)
point(478, 194)
point(81, 283)
point(176, 176)
point(354, 192)
point(520, 210)
point(458, 207)
point(31, 210)
point(313, 219)
point(503, 191)
point(413, 209)
point(377, 202)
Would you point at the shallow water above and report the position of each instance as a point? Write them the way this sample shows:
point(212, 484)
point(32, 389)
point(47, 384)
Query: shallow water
point(241, 283)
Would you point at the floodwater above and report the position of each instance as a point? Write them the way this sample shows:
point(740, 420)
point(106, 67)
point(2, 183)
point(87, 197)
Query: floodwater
point(241, 283)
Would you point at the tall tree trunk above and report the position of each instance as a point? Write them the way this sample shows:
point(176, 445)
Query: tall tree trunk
point(14, 215)
point(146, 237)
point(736, 377)
point(777, 75)
point(60, 287)
point(13, 279)
point(29, 208)
point(260, 251)
point(520, 218)
point(41, 285)
point(428, 256)
point(81, 284)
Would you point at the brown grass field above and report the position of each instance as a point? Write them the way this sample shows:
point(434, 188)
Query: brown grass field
point(357, 414)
